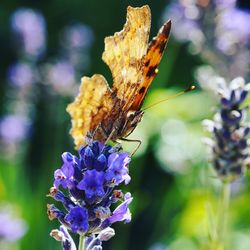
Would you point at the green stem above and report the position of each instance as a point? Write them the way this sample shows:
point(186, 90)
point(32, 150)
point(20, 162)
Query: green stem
point(81, 243)
point(222, 217)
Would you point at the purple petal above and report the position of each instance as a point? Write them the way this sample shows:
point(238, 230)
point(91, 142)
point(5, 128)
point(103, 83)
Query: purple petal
point(122, 212)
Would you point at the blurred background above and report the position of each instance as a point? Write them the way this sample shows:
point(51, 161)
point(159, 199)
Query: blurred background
point(46, 46)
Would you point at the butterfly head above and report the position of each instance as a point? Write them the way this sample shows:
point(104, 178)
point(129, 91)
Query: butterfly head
point(133, 118)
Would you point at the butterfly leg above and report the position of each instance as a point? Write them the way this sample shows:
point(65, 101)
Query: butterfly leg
point(99, 126)
point(111, 134)
point(137, 147)
point(104, 134)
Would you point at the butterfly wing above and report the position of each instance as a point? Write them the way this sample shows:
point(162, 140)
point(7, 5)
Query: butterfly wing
point(133, 63)
point(89, 107)
point(151, 62)
point(124, 52)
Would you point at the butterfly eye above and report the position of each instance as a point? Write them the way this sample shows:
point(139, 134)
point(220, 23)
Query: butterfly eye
point(131, 113)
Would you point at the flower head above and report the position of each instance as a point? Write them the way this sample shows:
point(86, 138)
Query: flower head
point(78, 219)
point(64, 175)
point(87, 184)
point(14, 228)
point(118, 171)
point(29, 27)
point(92, 184)
point(229, 146)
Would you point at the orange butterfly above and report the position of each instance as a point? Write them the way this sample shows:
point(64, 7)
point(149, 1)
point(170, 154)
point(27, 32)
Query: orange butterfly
point(111, 114)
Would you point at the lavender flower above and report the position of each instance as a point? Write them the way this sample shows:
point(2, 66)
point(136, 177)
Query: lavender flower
point(229, 144)
point(29, 29)
point(76, 41)
point(77, 36)
point(21, 75)
point(14, 228)
point(61, 76)
point(13, 128)
point(217, 30)
point(88, 184)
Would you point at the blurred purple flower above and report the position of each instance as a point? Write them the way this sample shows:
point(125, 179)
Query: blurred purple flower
point(184, 18)
point(229, 145)
point(61, 76)
point(158, 246)
point(225, 3)
point(230, 34)
point(30, 30)
point(21, 74)
point(12, 227)
point(28, 27)
point(240, 20)
point(76, 41)
point(211, 33)
point(13, 128)
point(77, 36)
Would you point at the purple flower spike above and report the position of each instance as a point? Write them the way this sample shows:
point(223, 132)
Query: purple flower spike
point(229, 147)
point(90, 181)
point(78, 219)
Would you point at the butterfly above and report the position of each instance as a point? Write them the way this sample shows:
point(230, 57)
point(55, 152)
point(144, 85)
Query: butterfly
point(113, 113)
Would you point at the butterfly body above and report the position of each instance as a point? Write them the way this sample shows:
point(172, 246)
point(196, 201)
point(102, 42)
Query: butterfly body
point(113, 113)
point(122, 126)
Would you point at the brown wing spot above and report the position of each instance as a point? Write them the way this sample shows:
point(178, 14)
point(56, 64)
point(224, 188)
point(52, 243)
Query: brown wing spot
point(151, 71)
point(161, 46)
point(147, 63)
point(165, 30)
point(142, 90)
point(151, 61)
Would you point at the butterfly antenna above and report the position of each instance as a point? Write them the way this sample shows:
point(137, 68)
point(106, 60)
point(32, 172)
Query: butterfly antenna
point(171, 97)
